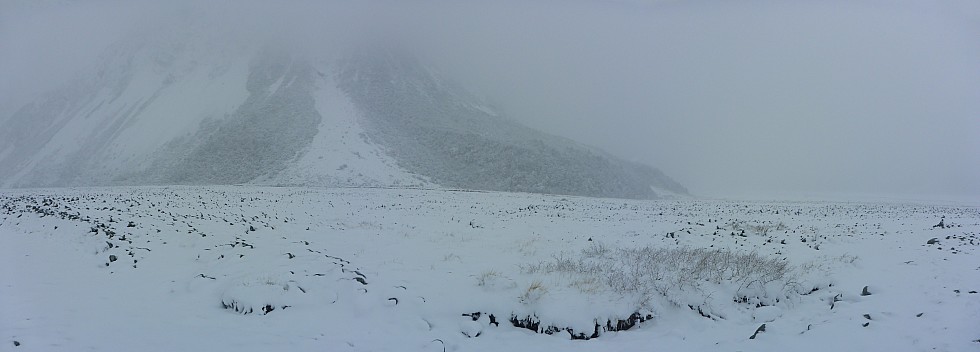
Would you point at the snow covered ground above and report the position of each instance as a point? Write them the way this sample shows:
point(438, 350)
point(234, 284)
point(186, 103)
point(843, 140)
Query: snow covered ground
point(261, 268)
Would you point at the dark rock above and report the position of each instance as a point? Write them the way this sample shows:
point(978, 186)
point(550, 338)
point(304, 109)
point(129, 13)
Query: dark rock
point(762, 328)
point(837, 298)
point(533, 323)
point(867, 316)
point(865, 292)
point(529, 322)
point(629, 323)
point(112, 258)
point(932, 241)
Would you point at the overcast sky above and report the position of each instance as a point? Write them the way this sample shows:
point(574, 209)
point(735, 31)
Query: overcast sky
point(731, 98)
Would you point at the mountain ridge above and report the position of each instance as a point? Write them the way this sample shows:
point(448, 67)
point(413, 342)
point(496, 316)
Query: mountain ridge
point(165, 111)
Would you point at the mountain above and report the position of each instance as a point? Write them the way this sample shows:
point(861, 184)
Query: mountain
point(437, 129)
point(184, 108)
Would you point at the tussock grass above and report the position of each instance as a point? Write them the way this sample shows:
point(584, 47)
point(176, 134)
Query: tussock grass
point(534, 292)
point(486, 277)
point(702, 277)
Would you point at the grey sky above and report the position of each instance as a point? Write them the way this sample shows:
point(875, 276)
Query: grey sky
point(731, 98)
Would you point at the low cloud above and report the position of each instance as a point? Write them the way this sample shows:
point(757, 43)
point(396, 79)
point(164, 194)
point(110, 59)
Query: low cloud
point(748, 98)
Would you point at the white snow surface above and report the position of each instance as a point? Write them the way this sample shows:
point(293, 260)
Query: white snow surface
point(341, 154)
point(395, 269)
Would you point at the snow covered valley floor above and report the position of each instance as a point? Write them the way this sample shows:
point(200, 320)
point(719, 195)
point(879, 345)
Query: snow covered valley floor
point(258, 269)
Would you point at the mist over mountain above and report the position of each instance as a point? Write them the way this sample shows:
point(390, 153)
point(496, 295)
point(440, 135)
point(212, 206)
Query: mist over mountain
point(437, 129)
point(188, 107)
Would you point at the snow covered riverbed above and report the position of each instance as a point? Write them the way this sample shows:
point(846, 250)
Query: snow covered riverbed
point(257, 268)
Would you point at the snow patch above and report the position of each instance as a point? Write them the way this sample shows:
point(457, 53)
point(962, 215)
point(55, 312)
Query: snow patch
point(341, 155)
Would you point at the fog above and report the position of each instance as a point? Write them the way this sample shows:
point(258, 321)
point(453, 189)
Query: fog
point(730, 98)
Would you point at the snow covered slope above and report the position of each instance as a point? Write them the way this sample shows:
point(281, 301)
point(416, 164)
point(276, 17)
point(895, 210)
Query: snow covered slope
point(342, 154)
point(436, 128)
point(163, 110)
point(253, 268)
point(145, 93)
point(189, 107)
